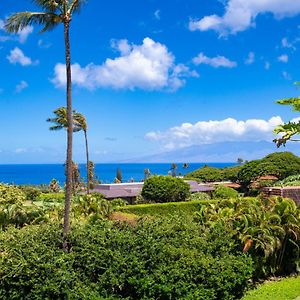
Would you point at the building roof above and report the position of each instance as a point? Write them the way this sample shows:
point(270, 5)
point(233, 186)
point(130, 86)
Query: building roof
point(131, 190)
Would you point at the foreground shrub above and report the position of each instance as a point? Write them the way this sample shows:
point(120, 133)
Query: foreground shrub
point(171, 259)
point(267, 229)
point(10, 194)
point(224, 192)
point(165, 189)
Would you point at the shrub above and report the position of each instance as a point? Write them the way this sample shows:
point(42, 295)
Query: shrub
point(210, 174)
point(171, 259)
point(165, 189)
point(207, 174)
point(224, 192)
point(31, 192)
point(267, 229)
point(10, 194)
point(51, 197)
point(199, 196)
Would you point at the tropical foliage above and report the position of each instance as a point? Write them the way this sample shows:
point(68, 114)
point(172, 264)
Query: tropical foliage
point(54, 13)
point(165, 189)
point(166, 259)
point(267, 229)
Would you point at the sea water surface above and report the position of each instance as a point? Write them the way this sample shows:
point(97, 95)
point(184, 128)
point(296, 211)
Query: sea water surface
point(44, 173)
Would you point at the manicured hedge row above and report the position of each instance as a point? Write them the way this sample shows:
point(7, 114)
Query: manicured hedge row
point(160, 209)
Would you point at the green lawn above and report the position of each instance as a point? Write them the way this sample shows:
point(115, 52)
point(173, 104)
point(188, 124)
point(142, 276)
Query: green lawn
point(285, 289)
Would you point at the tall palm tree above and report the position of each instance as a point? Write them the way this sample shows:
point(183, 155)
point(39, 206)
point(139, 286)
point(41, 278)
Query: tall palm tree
point(55, 12)
point(79, 123)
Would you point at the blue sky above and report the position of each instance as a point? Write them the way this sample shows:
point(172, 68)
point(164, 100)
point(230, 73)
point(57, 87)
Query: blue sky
point(150, 76)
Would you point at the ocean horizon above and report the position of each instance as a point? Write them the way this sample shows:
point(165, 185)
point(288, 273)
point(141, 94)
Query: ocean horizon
point(35, 174)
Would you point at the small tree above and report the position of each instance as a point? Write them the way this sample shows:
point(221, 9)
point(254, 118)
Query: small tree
point(147, 173)
point(91, 175)
point(174, 169)
point(54, 186)
point(119, 175)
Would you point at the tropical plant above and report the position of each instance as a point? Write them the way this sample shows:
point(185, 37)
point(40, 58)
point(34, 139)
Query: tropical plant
point(268, 229)
point(55, 12)
point(147, 173)
point(165, 189)
point(54, 186)
point(119, 175)
point(79, 123)
point(173, 169)
point(10, 194)
point(288, 131)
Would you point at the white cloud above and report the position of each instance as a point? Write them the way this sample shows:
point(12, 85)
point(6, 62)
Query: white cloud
point(283, 58)
point(250, 59)
point(157, 14)
point(17, 56)
point(149, 66)
point(216, 62)
point(21, 86)
point(286, 75)
point(1, 24)
point(267, 65)
point(209, 132)
point(24, 33)
point(241, 14)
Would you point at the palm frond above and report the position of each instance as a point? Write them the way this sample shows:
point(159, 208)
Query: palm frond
point(50, 5)
point(75, 6)
point(19, 21)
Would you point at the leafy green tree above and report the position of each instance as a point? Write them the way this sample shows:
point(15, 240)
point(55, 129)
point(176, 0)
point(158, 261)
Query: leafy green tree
point(288, 131)
point(55, 12)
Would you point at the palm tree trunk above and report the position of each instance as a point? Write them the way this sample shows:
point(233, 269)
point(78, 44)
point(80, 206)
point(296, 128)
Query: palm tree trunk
point(87, 162)
point(69, 137)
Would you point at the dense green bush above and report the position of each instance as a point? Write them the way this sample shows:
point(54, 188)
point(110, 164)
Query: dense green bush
point(10, 194)
point(31, 192)
point(293, 180)
point(281, 164)
point(224, 192)
point(170, 259)
point(210, 174)
point(267, 229)
point(165, 209)
point(165, 189)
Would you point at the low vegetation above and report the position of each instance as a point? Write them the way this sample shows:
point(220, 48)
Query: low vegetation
point(284, 289)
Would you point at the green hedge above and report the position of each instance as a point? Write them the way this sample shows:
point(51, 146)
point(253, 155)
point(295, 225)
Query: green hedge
point(161, 209)
point(163, 259)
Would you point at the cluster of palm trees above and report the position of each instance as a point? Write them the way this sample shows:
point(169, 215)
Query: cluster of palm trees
point(52, 14)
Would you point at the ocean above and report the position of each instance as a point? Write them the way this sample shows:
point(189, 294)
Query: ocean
point(42, 174)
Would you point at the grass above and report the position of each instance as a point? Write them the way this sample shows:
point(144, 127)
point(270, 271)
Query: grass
point(285, 289)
